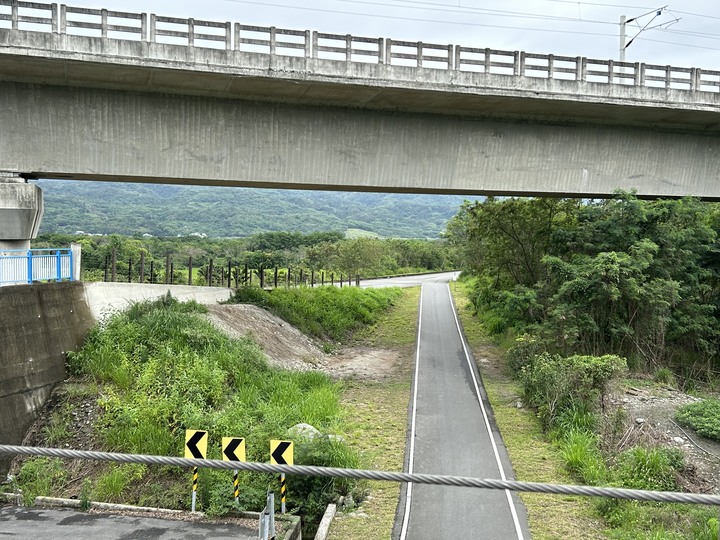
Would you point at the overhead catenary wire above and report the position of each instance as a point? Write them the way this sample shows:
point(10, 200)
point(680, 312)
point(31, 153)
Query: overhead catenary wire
point(417, 19)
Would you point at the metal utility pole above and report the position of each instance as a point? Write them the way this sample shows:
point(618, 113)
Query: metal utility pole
point(624, 44)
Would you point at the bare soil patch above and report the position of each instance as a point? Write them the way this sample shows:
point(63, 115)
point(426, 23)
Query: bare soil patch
point(286, 347)
point(651, 421)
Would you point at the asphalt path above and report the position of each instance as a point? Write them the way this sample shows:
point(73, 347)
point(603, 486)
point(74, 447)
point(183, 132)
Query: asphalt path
point(408, 281)
point(452, 432)
point(66, 524)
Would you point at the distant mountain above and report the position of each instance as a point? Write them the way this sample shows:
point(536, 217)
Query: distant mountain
point(170, 210)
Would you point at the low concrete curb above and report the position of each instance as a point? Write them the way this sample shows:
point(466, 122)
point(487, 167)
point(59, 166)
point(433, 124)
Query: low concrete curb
point(294, 531)
point(324, 527)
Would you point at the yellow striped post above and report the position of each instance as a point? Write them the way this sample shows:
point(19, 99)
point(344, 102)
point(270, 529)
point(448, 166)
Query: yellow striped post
point(195, 447)
point(281, 453)
point(233, 449)
point(283, 493)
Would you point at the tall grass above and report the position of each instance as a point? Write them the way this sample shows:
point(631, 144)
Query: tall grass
point(324, 312)
point(163, 368)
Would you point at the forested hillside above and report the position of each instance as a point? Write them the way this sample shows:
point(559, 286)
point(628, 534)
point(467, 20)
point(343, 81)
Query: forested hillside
point(170, 210)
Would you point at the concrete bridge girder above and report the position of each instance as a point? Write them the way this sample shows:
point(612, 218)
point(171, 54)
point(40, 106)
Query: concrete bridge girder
point(108, 109)
point(89, 133)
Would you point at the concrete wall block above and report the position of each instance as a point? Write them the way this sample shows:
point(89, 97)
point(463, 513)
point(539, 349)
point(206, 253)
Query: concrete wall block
point(39, 323)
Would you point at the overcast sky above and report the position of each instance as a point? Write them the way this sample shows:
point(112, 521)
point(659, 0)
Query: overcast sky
point(564, 27)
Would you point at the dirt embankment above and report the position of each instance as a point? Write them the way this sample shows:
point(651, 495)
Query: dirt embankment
point(287, 347)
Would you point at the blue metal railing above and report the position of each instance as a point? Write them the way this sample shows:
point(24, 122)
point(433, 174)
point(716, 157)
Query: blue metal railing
point(26, 266)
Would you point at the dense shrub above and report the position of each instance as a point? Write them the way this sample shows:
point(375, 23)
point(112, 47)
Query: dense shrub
point(649, 468)
point(702, 416)
point(554, 384)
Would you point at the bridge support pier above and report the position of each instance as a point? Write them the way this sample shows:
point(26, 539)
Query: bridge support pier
point(21, 211)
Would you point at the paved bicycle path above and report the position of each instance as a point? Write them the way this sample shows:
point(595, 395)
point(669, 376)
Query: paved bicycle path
point(450, 436)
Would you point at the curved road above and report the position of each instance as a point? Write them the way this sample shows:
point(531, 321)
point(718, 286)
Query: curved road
point(452, 432)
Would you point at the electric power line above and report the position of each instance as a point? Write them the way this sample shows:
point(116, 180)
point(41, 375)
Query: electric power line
point(417, 19)
point(678, 44)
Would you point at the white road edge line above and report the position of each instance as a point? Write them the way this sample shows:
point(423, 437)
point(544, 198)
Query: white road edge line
point(413, 417)
point(513, 511)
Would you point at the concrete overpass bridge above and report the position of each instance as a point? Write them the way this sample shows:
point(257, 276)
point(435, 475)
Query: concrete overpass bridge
point(105, 95)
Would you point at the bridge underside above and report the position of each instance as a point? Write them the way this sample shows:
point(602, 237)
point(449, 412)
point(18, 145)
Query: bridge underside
point(101, 134)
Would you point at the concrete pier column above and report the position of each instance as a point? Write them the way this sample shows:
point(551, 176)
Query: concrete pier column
point(21, 211)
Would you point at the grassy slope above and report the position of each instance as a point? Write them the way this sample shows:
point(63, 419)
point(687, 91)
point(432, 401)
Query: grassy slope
point(534, 459)
point(376, 423)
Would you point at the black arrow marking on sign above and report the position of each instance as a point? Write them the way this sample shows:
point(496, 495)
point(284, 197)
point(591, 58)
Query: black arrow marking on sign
point(277, 454)
point(229, 450)
point(192, 444)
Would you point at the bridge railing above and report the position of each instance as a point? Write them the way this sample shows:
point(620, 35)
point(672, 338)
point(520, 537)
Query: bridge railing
point(27, 266)
point(271, 40)
point(62, 19)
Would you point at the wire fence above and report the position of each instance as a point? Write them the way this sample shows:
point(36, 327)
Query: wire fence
point(144, 27)
point(363, 474)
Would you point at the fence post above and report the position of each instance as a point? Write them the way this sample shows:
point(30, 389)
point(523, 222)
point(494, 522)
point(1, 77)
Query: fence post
point(58, 266)
point(130, 271)
point(143, 27)
point(167, 268)
point(228, 36)
point(190, 270)
point(287, 278)
point(312, 278)
point(76, 261)
point(14, 15)
point(142, 267)
point(332, 279)
point(29, 266)
point(262, 277)
point(172, 272)
point(152, 272)
point(301, 276)
point(104, 23)
point(191, 32)
point(210, 274)
point(113, 265)
point(55, 19)
point(229, 275)
point(341, 280)
point(322, 277)
point(314, 50)
point(419, 54)
point(153, 23)
point(276, 278)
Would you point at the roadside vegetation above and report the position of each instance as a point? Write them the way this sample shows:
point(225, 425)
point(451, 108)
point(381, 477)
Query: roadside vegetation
point(583, 295)
point(331, 254)
point(328, 313)
point(160, 368)
point(376, 421)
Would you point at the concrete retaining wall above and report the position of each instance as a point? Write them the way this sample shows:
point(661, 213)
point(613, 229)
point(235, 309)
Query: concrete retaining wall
point(38, 324)
point(106, 298)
